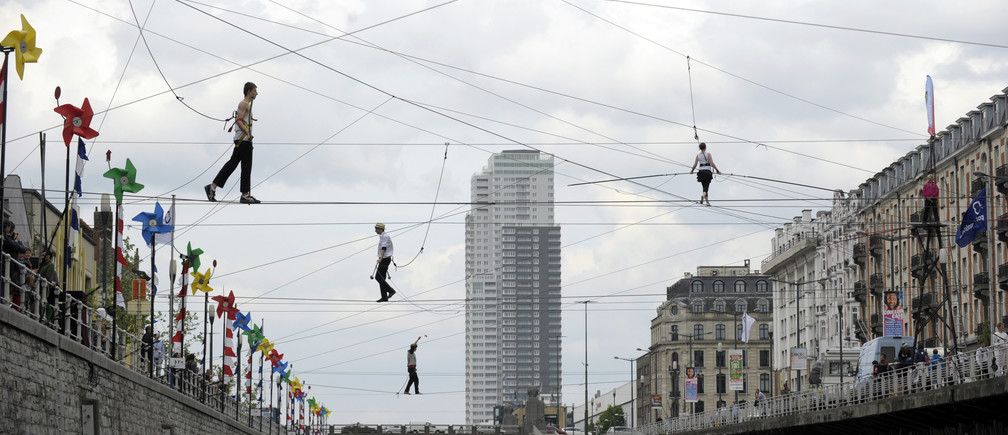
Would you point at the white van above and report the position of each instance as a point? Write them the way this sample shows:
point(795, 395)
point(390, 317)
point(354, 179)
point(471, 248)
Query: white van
point(873, 351)
point(835, 365)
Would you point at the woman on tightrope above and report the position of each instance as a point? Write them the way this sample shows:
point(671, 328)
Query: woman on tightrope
point(704, 176)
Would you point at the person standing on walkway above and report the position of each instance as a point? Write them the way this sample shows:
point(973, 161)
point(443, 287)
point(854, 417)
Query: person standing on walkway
point(384, 259)
point(414, 380)
point(242, 152)
point(704, 175)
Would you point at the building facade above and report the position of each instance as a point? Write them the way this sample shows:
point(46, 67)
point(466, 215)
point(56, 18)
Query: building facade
point(833, 274)
point(697, 326)
point(512, 285)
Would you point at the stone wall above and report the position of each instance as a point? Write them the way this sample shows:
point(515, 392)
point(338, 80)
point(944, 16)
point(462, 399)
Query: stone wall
point(52, 385)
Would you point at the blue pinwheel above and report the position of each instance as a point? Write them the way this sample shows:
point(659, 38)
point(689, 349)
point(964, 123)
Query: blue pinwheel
point(281, 367)
point(242, 321)
point(153, 223)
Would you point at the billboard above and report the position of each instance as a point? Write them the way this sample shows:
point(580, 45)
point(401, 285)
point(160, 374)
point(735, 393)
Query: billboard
point(735, 381)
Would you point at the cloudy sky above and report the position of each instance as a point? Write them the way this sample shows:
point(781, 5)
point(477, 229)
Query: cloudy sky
point(352, 130)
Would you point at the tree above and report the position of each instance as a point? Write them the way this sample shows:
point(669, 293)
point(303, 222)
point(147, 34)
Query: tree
point(612, 416)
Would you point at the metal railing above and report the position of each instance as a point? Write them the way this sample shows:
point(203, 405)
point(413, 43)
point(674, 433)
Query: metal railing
point(910, 378)
point(40, 300)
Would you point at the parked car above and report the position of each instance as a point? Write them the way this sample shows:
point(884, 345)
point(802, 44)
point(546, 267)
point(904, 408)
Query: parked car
point(358, 428)
point(553, 430)
point(419, 427)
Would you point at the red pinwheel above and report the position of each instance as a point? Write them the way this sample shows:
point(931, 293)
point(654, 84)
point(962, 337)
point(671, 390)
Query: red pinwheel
point(77, 121)
point(225, 304)
point(274, 357)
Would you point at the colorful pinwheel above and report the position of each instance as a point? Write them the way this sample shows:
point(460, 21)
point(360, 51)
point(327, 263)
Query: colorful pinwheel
point(242, 321)
point(125, 180)
point(274, 356)
point(280, 367)
point(225, 304)
point(285, 376)
point(201, 281)
point(77, 121)
point(193, 256)
point(296, 385)
point(23, 42)
point(153, 223)
point(255, 337)
point(265, 346)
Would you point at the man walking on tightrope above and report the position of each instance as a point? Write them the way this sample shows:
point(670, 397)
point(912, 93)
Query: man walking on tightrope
point(411, 368)
point(242, 151)
point(384, 259)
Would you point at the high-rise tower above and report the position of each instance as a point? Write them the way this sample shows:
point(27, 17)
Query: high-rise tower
point(512, 285)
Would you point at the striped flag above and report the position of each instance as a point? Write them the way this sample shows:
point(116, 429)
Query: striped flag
point(180, 317)
point(74, 209)
point(229, 355)
point(120, 259)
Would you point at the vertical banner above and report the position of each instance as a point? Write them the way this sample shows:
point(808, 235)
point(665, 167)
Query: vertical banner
point(799, 358)
point(691, 385)
point(892, 314)
point(735, 381)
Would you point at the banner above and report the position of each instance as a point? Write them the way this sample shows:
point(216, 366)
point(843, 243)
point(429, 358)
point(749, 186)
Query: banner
point(799, 358)
point(974, 220)
point(735, 381)
point(929, 105)
point(656, 401)
point(892, 314)
point(691, 385)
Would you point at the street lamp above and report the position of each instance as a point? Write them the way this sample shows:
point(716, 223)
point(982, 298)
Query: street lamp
point(631, 361)
point(719, 360)
point(586, 302)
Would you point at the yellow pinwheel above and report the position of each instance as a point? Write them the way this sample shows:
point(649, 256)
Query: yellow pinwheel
point(23, 42)
point(265, 346)
point(201, 281)
point(296, 385)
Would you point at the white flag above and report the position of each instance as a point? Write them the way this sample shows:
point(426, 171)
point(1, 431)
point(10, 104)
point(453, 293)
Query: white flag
point(747, 322)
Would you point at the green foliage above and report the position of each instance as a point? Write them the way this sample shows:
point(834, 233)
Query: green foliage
point(612, 416)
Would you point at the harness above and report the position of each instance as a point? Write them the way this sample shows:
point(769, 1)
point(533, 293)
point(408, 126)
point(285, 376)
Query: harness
point(248, 126)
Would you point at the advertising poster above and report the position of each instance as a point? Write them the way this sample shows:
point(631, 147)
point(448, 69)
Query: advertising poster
point(892, 314)
point(735, 382)
point(799, 358)
point(691, 385)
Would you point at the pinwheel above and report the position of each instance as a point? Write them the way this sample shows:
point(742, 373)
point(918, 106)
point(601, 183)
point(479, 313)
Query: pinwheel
point(274, 356)
point(326, 412)
point(280, 367)
point(201, 281)
point(125, 180)
point(255, 337)
point(285, 376)
point(193, 256)
point(225, 304)
point(77, 121)
point(296, 385)
point(153, 223)
point(241, 321)
point(23, 42)
point(265, 346)
point(312, 405)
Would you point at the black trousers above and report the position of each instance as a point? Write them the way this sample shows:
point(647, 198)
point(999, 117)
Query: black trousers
point(930, 209)
point(381, 275)
point(703, 176)
point(414, 380)
point(242, 154)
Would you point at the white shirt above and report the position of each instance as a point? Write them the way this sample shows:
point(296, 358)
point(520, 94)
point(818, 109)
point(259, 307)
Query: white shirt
point(384, 241)
point(703, 161)
point(1000, 338)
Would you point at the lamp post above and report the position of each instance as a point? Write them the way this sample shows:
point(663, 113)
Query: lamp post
point(586, 302)
point(631, 361)
point(719, 359)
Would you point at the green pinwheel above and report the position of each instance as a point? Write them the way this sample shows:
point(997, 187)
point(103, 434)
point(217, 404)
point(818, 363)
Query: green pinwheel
point(193, 255)
point(125, 180)
point(255, 337)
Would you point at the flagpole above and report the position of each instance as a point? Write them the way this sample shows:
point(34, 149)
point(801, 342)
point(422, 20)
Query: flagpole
point(171, 286)
point(3, 128)
point(263, 326)
point(238, 380)
point(42, 143)
point(118, 282)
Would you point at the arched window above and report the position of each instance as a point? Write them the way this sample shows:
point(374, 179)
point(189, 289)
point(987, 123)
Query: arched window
point(740, 286)
point(674, 333)
point(719, 305)
point(764, 306)
point(697, 306)
point(762, 287)
point(674, 309)
point(740, 306)
point(697, 287)
point(719, 332)
point(719, 286)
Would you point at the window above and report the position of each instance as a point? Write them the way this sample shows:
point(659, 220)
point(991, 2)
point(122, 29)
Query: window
point(698, 332)
point(719, 359)
point(740, 306)
point(674, 310)
point(764, 382)
point(700, 385)
point(719, 286)
point(764, 306)
point(697, 287)
point(738, 331)
point(764, 358)
point(762, 287)
point(697, 306)
point(740, 286)
point(719, 306)
point(698, 358)
point(698, 406)
point(764, 332)
point(674, 332)
point(721, 378)
point(719, 332)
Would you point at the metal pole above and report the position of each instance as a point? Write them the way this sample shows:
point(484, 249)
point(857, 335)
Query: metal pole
point(118, 283)
point(66, 241)
point(992, 282)
point(153, 292)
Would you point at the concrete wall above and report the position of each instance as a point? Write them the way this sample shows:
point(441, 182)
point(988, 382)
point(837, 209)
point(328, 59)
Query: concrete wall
point(52, 385)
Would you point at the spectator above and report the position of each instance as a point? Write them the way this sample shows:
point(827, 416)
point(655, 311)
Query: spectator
point(936, 368)
point(147, 345)
point(12, 247)
point(905, 354)
point(159, 353)
point(735, 411)
point(930, 194)
point(760, 402)
point(1000, 340)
